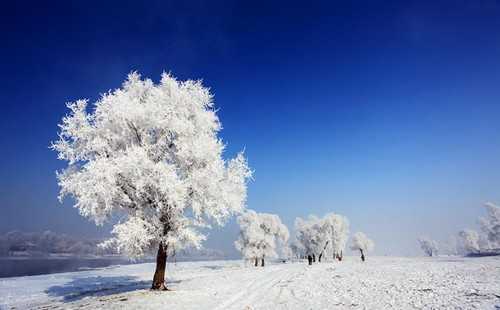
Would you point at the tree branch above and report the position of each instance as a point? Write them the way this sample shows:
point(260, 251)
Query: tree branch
point(136, 131)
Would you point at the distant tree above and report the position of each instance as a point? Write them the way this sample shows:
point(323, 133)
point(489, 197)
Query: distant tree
point(312, 235)
point(430, 247)
point(150, 154)
point(260, 235)
point(361, 243)
point(286, 252)
point(337, 227)
point(491, 226)
point(297, 249)
point(315, 236)
point(469, 240)
point(451, 246)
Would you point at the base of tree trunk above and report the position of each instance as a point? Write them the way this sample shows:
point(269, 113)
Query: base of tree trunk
point(161, 287)
point(161, 263)
point(262, 263)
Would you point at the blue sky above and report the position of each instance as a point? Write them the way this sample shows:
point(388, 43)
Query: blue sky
point(385, 112)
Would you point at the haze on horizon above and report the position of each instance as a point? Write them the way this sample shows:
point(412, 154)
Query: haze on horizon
point(385, 113)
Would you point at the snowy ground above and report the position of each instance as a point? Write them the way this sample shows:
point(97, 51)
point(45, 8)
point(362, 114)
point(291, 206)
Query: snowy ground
point(379, 283)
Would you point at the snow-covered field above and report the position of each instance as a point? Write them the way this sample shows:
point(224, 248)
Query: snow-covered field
point(379, 283)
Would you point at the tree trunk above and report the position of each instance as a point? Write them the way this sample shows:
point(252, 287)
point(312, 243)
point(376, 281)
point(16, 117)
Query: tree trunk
point(341, 256)
point(321, 254)
point(262, 262)
point(256, 262)
point(362, 255)
point(161, 263)
point(310, 259)
point(314, 258)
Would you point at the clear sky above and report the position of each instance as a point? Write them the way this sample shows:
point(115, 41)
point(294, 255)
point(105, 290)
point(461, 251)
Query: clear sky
point(384, 111)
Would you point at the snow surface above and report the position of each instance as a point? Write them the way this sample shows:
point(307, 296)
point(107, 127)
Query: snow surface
point(379, 283)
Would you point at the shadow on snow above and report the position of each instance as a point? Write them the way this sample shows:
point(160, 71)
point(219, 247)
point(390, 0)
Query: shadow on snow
point(97, 286)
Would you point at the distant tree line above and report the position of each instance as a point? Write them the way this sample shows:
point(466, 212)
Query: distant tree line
point(468, 241)
point(17, 243)
point(263, 235)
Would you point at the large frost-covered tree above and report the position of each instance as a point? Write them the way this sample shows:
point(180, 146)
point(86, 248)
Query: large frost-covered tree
point(361, 243)
point(429, 246)
point(149, 155)
point(260, 235)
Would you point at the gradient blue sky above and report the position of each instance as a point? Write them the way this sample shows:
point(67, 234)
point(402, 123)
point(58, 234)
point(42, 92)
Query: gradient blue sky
point(385, 112)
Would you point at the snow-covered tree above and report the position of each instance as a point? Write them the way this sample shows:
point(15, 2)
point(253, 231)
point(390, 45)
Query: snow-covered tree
point(491, 226)
point(429, 246)
point(312, 235)
point(361, 243)
point(297, 248)
point(260, 235)
point(337, 227)
point(451, 246)
point(469, 240)
point(287, 252)
point(149, 155)
point(315, 236)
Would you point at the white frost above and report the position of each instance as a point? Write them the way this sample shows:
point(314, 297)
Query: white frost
point(149, 154)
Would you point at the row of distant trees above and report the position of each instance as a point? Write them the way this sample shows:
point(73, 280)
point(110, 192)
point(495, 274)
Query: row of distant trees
point(17, 243)
point(263, 234)
point(469, 241)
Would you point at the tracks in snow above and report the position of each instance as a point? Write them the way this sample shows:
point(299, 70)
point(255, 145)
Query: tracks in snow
point(267, 287)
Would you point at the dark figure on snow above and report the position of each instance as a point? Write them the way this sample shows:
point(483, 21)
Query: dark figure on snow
point(310, 259)
point(340, 256)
